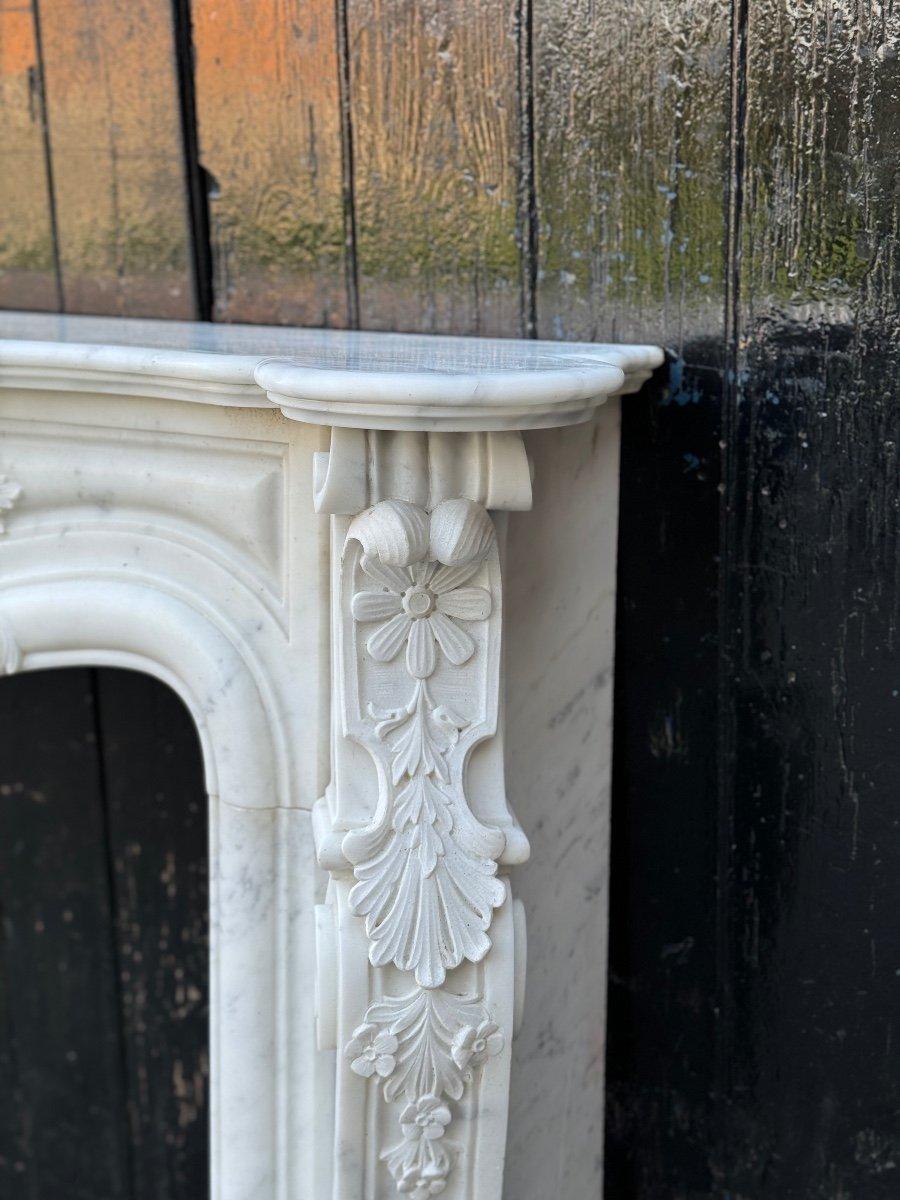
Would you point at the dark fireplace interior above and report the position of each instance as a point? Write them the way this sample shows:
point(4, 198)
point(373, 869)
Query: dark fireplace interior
point(104, 978)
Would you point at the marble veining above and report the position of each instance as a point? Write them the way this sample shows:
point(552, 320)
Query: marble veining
point(344, 624)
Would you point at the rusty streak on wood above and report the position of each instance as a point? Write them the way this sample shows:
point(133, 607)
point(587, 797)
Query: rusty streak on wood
point(632, 109)
point(269, 118)
point(28, 276)
point(435, 119)
point(117, 156)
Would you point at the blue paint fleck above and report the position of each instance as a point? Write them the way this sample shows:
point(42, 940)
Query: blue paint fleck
point(678, 391)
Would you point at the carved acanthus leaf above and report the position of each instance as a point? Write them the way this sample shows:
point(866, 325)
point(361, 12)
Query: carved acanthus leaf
point(426, 870)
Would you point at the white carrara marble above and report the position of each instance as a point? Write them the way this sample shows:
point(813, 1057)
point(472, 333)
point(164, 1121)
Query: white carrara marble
point(163, 493)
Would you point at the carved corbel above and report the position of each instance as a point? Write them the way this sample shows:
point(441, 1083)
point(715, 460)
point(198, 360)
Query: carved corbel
point(421, 947)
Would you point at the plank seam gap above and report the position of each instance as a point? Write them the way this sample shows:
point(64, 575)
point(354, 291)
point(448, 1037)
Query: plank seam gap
point(48, 155)
point(115, 954)
point(528, 217)
point(725, 724)
point(195, 176)
point(348, 182)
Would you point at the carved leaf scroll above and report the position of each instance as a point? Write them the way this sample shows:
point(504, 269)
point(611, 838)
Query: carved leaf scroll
point(425, 867)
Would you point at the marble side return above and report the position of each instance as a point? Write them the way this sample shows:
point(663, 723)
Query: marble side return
point(322, 541)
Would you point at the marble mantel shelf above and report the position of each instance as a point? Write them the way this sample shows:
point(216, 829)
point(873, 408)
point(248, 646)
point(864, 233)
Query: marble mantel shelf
point(327, 377)
point(365, 688)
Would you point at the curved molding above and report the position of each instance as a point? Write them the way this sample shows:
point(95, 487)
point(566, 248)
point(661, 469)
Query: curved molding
point(94, 621)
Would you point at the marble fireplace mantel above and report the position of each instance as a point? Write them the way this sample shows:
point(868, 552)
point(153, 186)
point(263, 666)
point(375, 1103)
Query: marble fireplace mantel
point(363, 688)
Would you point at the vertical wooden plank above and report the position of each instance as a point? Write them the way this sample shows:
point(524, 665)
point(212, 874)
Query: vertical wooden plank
point(28, 277)
point(434, 112)
point(811, 553)
point(631, 137)
point(63, 1130)
point(269, 119)
point(157, 824)
point(117, 157)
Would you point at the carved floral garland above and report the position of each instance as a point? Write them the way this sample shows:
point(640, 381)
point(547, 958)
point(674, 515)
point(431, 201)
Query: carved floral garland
point(425, 867)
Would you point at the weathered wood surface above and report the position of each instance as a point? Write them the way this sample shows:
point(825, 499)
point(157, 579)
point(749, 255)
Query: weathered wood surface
point(103, 986)
point(269, 123)
point(811, 606)
point(437, 164)
point(28, 277)
point(631, 116)
point(117, 157)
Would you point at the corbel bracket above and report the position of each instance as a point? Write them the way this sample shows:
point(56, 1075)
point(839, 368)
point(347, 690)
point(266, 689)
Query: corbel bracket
point(422, 949)
point(421, 946)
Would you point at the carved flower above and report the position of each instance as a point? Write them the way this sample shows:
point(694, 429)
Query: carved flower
point(10, 491)
point(420, 1182)
point(372, 1052)
point(423, 603)
point(422, 563)
point(475, 1044)
point(427, 1117)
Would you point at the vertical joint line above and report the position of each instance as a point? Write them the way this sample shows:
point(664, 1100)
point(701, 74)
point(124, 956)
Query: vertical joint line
point(731, 387)
point(527, 199)
point(114, 917)
point(194, 174)
point(348, 187)
point(48, 156)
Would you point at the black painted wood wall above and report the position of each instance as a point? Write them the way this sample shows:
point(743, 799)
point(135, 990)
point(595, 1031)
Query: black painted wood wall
point(718, 175)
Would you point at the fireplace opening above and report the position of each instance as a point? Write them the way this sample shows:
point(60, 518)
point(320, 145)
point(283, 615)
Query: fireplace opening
point(103, 940)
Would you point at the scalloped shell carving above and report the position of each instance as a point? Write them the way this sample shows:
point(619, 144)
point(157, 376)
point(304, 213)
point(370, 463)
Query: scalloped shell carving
point(461, 532)
point(393, 531)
